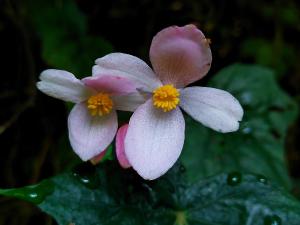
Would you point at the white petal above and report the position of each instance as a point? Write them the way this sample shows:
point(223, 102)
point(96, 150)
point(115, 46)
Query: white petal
point(212, 107)
point(63, 85)
point(90, 135)
point(154, 140)
point(128, 102)
point(131, 67)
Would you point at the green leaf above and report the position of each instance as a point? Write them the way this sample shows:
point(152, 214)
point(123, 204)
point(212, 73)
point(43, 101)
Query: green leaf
point(262, 51)
point(258, 147)
point(109, 195)
point(35, 193)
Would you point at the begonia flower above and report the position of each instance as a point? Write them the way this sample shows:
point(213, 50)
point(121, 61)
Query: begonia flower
point(155, 135)
point(92, 122)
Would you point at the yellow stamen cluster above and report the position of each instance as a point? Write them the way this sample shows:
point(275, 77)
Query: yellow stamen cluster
point(166, 97)
point(100, 104)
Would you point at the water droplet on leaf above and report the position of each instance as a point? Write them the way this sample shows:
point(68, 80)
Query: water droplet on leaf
point(247, 98)
point(262, 179)
point(182, 168)
point(86, 174)
point(272, 220)
point(234, 178)
point(247, 130)
point(35, 193)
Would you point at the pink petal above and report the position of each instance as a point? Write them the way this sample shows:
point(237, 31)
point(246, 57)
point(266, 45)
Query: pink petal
point(120, 150)
point(63, 85)
point(180, 55)
point(212, 107)
point(128, 66)
point(128, 102)
point(154, 140)
point(95, 160)
point(90, 135)
point(110, 84)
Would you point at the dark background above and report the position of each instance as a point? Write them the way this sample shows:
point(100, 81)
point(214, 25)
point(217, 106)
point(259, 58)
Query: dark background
point(65, 34)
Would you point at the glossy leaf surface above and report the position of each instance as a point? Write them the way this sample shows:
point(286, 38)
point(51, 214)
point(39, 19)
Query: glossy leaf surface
point(108, 195)
point(258, 146)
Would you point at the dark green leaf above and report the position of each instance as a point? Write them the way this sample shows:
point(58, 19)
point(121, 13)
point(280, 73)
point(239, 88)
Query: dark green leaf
point(262, 51)
point(66, 43)
point(109, 195)
point(258, 147)
point(34, 193)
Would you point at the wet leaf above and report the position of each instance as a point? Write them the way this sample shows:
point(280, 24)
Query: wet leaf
point(34, 193)
point(121, 197)
point(258, 146)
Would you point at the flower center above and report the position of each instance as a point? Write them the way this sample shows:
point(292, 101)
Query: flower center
point(100, 104)
point(166, 97)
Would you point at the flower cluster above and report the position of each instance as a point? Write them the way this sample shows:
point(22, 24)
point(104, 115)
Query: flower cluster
point(153, 140)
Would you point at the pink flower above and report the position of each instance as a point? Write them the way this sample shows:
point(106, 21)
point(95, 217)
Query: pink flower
point(92, 122)
point(155, 135)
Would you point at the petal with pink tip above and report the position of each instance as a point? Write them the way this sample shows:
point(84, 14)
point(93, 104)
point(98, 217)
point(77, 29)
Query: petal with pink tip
point(90, 135)
point(63, 85)
point(212, 107)
point(154, 140)
point(128, 66)
point(120, 150)
point(180, 55)
point(110, 84)
point(129, 102)
point(97, 159)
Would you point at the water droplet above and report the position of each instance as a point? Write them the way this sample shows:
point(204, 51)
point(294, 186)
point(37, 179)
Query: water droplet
point(262, 179)
point(246, 98)
point(182, 168)
point(35, 193)
point(272, 220)
point(86, 174)
point(34, 197)
point(247, 130)
point(234, 178)
point(246, 127)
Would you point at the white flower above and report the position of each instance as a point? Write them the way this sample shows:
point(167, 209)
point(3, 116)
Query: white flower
point(92, 122)
point(155, 135)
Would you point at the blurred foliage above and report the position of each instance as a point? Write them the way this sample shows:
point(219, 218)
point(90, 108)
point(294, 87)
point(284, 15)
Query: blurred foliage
point(277, 51)
point(264, 53)
point(108, 195)
point(65, 41)
point(258, 146)
point(69, 35)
